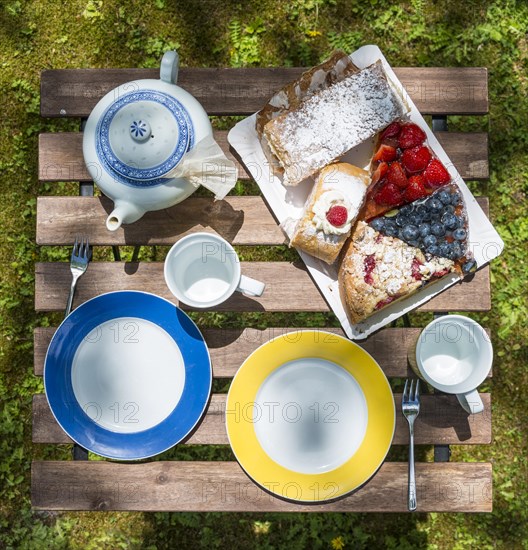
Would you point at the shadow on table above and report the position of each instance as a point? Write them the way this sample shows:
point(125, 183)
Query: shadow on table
point(447, 414)
point(170, 224)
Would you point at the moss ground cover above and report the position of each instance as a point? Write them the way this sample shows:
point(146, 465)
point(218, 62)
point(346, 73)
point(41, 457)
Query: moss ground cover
point(39, 34)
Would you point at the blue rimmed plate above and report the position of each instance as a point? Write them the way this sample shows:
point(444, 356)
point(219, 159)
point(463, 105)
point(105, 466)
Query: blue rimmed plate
point(127, 375)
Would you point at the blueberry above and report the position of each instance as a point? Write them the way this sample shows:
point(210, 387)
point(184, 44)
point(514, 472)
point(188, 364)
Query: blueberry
point(414, 243)
point(460, 221)
point(433, 249)
point(458, 252)
point(405, 210)
point(391, 228)
point(410, 232)
point(455, 198)
point(423, 213)
point(450, 209)
point(437, 229)
point(424, 229)
point(445, 197)
point(435, 205)
point(429, 240)
point(378, 224)
point(459, 234)
point(446, 250)
point(414, 218)
point(449, 221)
point(469, 266)
point(401, 219)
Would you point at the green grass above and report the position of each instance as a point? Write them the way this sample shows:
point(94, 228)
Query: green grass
point(40, 34)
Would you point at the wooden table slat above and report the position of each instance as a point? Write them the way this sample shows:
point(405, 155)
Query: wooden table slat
point(289, 287)
point(223, 486)
point(229, 348)
point(61, 157)
point(442, 421)
point(240, 220)
point(242, 91)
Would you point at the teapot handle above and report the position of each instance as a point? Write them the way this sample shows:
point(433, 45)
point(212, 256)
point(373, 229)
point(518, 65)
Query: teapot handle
point(170, 64)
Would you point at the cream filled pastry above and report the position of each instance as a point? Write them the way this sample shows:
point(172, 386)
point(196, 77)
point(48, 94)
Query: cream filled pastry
point(330, 211)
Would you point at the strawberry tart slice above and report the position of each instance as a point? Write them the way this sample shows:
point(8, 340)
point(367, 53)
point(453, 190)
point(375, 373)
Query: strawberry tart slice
point(403, 169)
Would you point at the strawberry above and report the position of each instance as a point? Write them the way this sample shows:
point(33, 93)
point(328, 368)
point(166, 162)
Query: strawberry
point(380, 172)
point(436, 174)
point(416, 189)
point(392, 130)
point(411, 135)
point(337, 215)
point(390, 195)
point(416, 159)
point(385, 153)
point(396, 175)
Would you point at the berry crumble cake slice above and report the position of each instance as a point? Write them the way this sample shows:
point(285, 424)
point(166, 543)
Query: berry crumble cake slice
point(376, 270)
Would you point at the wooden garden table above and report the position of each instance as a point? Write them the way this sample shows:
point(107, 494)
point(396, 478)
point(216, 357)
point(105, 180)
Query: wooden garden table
point(81, 484)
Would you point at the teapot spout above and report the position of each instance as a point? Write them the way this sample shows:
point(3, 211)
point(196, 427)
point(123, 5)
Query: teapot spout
point(124, 212)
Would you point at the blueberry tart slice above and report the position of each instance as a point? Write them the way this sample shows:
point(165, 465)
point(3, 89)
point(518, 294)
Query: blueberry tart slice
point(437, 225)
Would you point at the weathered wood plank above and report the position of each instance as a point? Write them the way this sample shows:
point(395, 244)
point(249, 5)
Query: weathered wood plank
point(61, 157)
point(288, 287)
point(229, 348)
point(435, 90)
point(441, 421)
point(223, 486)
point(241, 220)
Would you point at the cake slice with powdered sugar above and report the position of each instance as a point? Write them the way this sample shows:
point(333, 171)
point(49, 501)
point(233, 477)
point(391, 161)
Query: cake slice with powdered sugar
point(377, 270)
point(331, 122)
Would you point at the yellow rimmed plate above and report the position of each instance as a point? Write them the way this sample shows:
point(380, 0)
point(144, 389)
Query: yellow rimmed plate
point(310, 416)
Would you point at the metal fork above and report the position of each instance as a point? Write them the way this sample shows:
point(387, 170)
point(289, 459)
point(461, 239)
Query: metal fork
point(410, 409)
point(81, 255)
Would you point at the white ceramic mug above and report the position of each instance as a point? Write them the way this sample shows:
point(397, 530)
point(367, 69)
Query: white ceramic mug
point(203, 270)
point(454, 354)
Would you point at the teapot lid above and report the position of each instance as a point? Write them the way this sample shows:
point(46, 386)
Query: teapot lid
point(143, 135)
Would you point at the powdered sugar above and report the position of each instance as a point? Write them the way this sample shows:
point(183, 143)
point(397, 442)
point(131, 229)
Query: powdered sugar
point(329, 123)
point(393, 271)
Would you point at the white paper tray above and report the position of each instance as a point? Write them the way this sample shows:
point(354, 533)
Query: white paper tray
point(288, 202)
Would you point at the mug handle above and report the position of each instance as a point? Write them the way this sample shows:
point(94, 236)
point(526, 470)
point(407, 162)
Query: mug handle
point(471, 401)
point(250, 286)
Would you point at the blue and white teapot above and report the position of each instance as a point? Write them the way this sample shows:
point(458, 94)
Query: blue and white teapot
point(135, 139)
